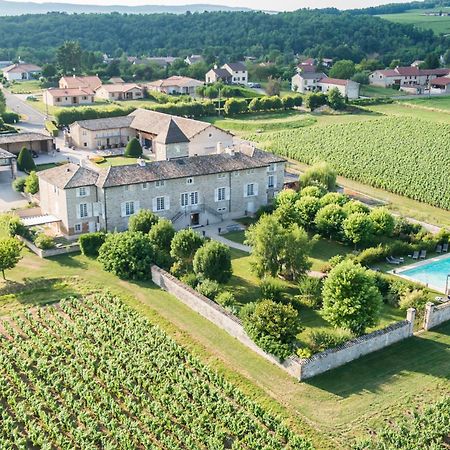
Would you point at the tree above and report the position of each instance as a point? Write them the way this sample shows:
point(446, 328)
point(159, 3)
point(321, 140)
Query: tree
point(32, 183)
point(48, 71)
point(288, 102)
point(320, 174)
point(351, 299)
point(213, 261)
point(343, 69)
point(128, 255)
point(354, 206)
point(358, 228)
point(307, 208)
point(184, 245)
point(334, 198)
point(335, 99)
point(431, 61)
point(2, 103)
point(383, 222)
point(329, 220)
point(25, 161)
point(273, 86)
point(9, 254)
point(273, 326)
point(286, 196)
point(277, 250)
point(133, 149)
point(361, 77)
point(255, 105)
point(143, 221)
point(162, 233)
point(287, 214)
point(68, 57)
point(315, 100)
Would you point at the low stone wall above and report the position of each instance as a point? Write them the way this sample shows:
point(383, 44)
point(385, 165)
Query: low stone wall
point(298, 368)
point(217, 315)
point(73, 248)
point(355, 348)
point(436, 314)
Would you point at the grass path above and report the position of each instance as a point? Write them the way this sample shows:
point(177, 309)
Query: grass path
point(331, 409)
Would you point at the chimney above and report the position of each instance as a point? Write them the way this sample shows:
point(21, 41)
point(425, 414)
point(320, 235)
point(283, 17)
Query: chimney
point(216, 66)
point(141, 162)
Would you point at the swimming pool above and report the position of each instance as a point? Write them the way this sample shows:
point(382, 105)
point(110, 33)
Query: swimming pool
point(433, 273)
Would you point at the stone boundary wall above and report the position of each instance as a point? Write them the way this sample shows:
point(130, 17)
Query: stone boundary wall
point(355, 348)
point(298, 368)
point(436, 314)
point(218, 315)
point(50, 252)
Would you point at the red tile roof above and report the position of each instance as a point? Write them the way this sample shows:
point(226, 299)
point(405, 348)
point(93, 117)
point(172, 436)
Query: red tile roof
point(336, 81)
point(442, 81)
point(58, 92)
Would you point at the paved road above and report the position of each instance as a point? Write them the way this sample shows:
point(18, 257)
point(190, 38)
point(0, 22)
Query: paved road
point(34, 120)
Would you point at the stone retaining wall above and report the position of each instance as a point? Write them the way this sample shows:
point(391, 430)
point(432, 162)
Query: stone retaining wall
point(298, 368)
point(436, 314)
point(52, 251)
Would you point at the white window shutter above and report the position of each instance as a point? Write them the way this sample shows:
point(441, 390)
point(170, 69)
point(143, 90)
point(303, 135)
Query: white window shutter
point(274, 181)
point(89, 209)
point(245, 190)
point(154, 204)
point(77, 191)
point(137, 206)
point(96, 209)
point(216, 194)
point(227, 193)
point(255, 188)
point(167, 203)
point(78, 212)
point(123, 212)
point(88, 190)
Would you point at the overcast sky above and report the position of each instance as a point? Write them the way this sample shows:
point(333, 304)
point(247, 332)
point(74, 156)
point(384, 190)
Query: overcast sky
point(281, 5)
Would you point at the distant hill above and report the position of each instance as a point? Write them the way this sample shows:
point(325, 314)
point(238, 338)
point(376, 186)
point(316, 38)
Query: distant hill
point(8, 8)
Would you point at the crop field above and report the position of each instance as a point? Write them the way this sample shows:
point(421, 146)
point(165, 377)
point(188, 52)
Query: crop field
point(403, 155)
point(439, 24)
point(435, 103)
point(92, 373)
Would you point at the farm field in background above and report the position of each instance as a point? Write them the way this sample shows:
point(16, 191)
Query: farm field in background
point(435, 103)
point(440, 25)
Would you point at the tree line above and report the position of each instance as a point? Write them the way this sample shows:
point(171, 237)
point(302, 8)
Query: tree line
point(219, 36)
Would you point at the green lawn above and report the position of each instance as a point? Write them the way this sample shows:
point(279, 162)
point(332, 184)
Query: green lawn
point(40, 167)
point(26, 87)
point(332, 408)
point(441, 103)
point(440, 25)
point(368, 90)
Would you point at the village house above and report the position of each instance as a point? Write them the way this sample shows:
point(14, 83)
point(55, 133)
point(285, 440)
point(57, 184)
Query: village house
point(190, 191)
point(175, 85)
point(440, 85)
point(231, 73)
point(88, 82)
point(119, 91)
point(21, 72)
point(150, 127)
point(304, 82)
point(14, 142)
point(68, 97)
point(410, 79)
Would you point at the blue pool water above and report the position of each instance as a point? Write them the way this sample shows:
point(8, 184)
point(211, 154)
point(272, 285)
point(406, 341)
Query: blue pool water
point(433, 273)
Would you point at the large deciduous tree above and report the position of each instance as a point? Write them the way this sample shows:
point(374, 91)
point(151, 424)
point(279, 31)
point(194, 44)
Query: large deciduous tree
point(213, 261)
point(351, 299)
point(68, 57)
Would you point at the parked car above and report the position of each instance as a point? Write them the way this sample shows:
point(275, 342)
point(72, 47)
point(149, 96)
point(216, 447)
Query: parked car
point(254, 85)
point(34, 154)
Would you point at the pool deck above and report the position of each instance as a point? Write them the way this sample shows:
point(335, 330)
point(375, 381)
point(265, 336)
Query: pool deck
point(415, 265)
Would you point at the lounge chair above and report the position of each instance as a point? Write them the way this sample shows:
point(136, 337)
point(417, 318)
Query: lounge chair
point(392, 260)
point(445, 247)
point(423, 254)
point(415, 255)
point(439, 249)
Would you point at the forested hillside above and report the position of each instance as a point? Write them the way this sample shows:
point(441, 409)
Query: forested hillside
point(396, 8)
point(232, 35)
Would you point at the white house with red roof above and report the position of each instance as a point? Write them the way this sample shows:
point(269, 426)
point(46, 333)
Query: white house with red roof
point(407, 78)
point(68, 96)
point(21, 72)
point(175, 85)
point(304, 82)
point(119, 91)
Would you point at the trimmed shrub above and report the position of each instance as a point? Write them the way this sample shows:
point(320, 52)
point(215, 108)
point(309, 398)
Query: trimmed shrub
point(51, 128)
point(143, 221)
point(310, 292)
point(44, 242)
point(133, 149)
point(209, 288)
point(313, 191)
point(19, 184)
point(226, 299)
point(372, 255)
point(25, 161)
point(213, 261)
point(10, 117)
point(271, 289)
point(417, 299)
point(162, 233)
point(32, 183)
point(90, 243)
point(190, 279)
